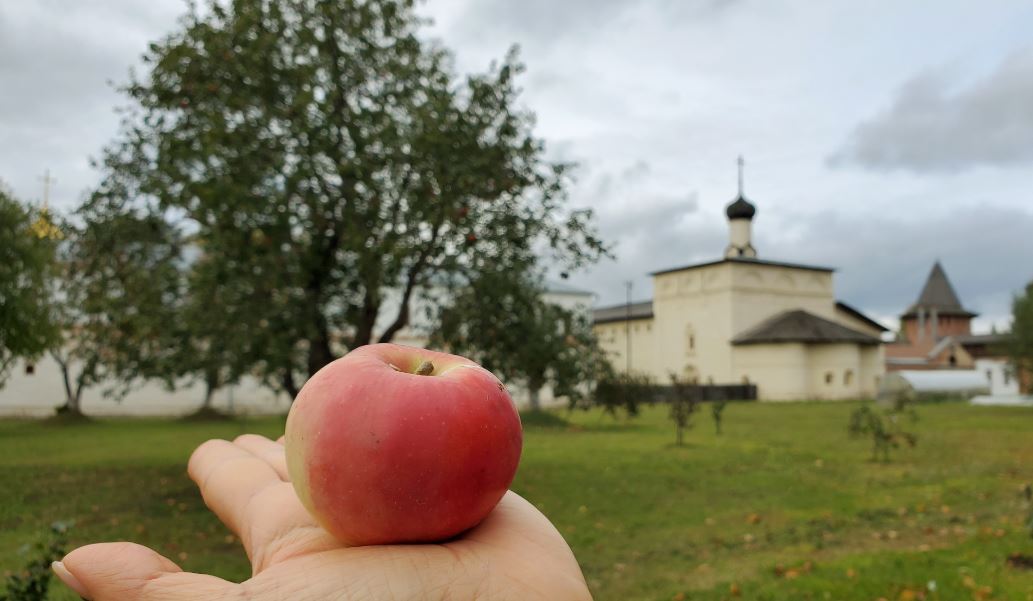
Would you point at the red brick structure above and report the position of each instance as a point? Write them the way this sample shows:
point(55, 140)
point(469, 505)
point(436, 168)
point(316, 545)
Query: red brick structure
point(933, 329)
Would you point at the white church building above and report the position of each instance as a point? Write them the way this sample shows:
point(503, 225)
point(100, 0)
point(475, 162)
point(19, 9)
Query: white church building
point(743, 319)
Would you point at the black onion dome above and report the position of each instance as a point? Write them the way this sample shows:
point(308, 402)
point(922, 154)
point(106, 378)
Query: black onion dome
point(741, 209)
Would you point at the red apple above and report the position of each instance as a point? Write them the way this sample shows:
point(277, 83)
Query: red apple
point(394, 444)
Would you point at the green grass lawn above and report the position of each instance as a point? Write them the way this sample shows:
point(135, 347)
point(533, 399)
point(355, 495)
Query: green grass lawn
point(781, 506)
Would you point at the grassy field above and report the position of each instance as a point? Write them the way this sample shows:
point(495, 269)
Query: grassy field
point(781, 506)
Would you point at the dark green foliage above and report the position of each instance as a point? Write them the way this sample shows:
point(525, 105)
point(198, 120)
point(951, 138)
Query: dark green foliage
point(683, 401)
point(503, 323)
point(32, 582)
point(326, 162)
point(27, 249)
point(717, 410)
point(625, 392)
point(886, 427)
point(1019, 345)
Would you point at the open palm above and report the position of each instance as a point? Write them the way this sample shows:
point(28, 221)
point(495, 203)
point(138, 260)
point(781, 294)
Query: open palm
point(514, 554)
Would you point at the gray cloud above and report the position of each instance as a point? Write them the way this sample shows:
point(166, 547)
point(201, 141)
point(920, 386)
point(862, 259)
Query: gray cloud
point(654, 98)
point(933, 127)
point(881, 263)
point(648, 230)
point(57, 62)
point(546, 21)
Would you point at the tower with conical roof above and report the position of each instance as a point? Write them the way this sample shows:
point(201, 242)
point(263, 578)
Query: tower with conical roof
point(937, 313)
point(740, 224)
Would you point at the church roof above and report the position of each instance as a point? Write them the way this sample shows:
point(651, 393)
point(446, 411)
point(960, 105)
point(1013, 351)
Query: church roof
point(938, 294)
point(741, 209)
point(641, 310)
point(861, 316)
point(800, 326)
point(744, 260)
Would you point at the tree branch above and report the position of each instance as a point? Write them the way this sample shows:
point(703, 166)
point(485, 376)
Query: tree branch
point(402, 318)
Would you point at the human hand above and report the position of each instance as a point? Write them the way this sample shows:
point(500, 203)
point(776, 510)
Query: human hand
point(514, 554)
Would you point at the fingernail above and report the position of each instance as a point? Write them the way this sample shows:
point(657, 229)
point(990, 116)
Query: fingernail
point(70, 581)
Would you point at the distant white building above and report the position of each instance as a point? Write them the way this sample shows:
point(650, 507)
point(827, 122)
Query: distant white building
point(959, 383)
point(1000, 375)
point(742, 319)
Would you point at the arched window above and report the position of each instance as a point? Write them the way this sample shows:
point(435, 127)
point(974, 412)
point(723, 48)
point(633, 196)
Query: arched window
point(848, 377)
point(829, 377)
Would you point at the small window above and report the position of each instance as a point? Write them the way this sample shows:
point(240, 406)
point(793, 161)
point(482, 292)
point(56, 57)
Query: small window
point(848, 377)
point(1007, 378)
point(745, 379)
point(30, 369)
point(829, 377)
point(692, 342)
point(990, 376)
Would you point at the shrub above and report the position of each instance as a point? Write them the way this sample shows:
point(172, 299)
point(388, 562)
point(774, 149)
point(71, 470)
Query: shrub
point(886, 427)
point(32, 582)
point(624, 391)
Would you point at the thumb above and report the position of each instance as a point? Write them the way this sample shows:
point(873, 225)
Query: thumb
point(130, 572)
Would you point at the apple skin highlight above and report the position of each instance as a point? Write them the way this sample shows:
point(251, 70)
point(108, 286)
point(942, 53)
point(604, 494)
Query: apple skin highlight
point(379, 454)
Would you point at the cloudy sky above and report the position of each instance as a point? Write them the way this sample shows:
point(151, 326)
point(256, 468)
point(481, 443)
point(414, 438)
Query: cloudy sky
point(878, 136)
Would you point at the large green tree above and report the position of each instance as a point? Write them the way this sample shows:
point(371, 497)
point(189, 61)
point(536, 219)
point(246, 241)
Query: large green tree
point(324, 154)
point(503, 322)
point(1019, 343)
point(28, 243)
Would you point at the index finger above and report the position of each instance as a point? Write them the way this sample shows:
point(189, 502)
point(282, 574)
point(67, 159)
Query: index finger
point(230, 479)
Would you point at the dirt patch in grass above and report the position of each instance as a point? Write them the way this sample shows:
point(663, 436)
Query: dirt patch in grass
point(1020, 561)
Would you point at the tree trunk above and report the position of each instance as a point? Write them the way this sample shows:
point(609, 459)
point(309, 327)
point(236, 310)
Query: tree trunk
point(319, 352)
point(678, 436)
point(209, 393)
point(533, 398)
point(288, 384)
point(73, 394)
point(367, 319)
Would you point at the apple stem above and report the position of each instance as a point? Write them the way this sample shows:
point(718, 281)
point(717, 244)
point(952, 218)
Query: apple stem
point(425, 369)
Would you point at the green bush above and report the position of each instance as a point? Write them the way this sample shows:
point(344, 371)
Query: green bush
point(32, 582)
point(625, 392)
